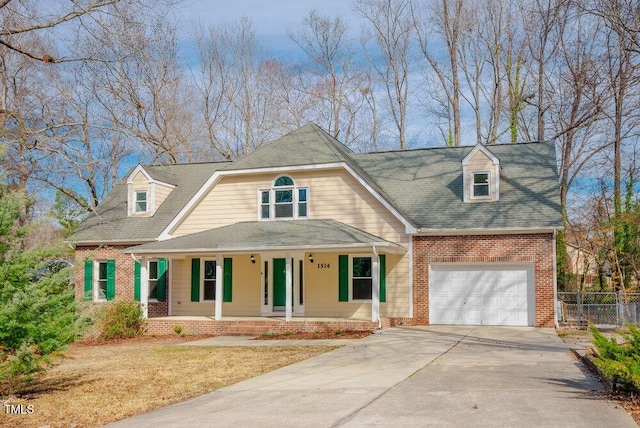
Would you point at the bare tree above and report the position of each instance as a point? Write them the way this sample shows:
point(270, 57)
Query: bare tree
point(391, 29)
point(334, 78)
point(25, 17)
point(238, 87)
point(543, 21)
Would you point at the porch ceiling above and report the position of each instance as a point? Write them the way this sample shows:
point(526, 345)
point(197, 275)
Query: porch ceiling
point(284, 235)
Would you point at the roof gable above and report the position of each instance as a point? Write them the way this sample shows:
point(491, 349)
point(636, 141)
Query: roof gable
point(484, 150)
point(110, 221)
point(309, 145)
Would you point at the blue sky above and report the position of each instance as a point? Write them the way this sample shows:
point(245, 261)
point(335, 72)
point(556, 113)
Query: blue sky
point(271, 19)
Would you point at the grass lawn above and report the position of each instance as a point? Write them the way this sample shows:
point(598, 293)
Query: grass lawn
point(100, 383)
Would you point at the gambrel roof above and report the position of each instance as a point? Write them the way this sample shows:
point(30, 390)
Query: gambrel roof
point(423, 187)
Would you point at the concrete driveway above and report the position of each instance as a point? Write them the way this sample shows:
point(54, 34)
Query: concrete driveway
point(413, 376)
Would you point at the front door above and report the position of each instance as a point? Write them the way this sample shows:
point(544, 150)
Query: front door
point(279, 284)
point(275, 285)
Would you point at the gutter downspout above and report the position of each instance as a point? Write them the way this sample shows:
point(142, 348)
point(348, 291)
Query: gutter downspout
point(555, 283)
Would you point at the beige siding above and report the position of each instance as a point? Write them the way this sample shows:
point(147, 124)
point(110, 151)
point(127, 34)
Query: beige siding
point(162, 191)
point(333, 194)
point(140, 180)
point(321, 290)
point(480, 162)
point(245, 289)
point(181, 303)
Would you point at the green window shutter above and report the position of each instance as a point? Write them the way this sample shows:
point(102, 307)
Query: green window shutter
point(195, 280)
point(162, 280)
point(88, 279)
point(227, 280)
point(383, 278)
point(111, 279)
point(136, 282)
point(343, 279)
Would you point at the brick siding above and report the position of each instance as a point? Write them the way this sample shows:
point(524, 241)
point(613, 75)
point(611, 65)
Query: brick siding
point(163, 326)
point(532, 248)
point(125, 266)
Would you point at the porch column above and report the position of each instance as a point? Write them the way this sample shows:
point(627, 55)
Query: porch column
point(144, 287)
point(288, 309)
point(375, 286)
point(219, 279)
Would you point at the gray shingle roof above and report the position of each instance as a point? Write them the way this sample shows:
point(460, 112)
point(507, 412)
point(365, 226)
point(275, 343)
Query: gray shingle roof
point(110, 223)
point(426, 186)
point(273, 235)
point(308, 145)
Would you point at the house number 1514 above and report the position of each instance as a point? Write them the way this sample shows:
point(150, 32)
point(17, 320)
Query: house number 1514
point(324, 265)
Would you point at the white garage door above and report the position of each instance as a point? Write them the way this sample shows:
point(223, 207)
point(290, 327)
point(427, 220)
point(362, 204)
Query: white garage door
point(486, 294)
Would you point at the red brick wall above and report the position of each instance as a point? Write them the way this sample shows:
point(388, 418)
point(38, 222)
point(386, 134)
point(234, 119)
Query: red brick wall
point(536, 248)
point(125, 266)
point(163, 326)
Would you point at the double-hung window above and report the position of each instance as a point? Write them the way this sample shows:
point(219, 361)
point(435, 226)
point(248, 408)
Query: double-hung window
point(480, 185)
point(153, 280)
point(361, 279)
point(141, 202)
point(101, 281)
point(209, 280)
point(283, 200)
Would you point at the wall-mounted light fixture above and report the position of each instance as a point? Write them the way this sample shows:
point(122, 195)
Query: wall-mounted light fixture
point(310, 258)
point(253, 259)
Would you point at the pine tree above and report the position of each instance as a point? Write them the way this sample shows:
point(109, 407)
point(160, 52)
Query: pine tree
point(38, 312)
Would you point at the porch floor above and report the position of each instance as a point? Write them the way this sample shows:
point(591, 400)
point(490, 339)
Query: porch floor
point(255, 326)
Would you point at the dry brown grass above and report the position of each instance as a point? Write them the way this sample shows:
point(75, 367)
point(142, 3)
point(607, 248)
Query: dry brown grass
point(98, 384)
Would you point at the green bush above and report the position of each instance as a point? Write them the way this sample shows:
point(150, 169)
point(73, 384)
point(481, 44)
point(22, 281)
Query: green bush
point(38, 317)
point(619, 362)
point(120, 319)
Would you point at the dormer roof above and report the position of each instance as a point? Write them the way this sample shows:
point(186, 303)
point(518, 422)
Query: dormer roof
point(480, 148)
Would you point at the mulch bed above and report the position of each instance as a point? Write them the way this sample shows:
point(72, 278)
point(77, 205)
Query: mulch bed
point(315, 335)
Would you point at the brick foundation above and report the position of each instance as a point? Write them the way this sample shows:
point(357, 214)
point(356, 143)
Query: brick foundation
point(533, 248)
point(163, 326)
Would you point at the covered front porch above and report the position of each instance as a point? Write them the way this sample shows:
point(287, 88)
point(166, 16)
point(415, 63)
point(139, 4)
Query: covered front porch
point(256, 326)
point(275, 273)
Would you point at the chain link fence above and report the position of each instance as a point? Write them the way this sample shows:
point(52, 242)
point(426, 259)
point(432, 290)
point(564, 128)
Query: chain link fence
point(613, 309)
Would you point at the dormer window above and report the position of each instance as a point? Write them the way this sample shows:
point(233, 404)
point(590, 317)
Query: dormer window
point(481, 185)
point(283, 200)
point(145, 194)
point(141, 202)
point(481, 176)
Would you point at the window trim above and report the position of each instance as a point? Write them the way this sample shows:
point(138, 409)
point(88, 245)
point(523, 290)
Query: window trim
point(156, 279)
point(135, 201)
point(472, 193)
point(204, 261)
point(271, 203)
point(96, 280)
point(351, 277)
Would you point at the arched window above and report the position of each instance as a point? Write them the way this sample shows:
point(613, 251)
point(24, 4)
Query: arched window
point(283, 200)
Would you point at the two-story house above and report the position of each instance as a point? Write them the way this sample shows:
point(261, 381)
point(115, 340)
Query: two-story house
point(305, 233)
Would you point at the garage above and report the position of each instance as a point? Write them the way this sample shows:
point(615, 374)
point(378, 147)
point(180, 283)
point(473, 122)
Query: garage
point(481, 294)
